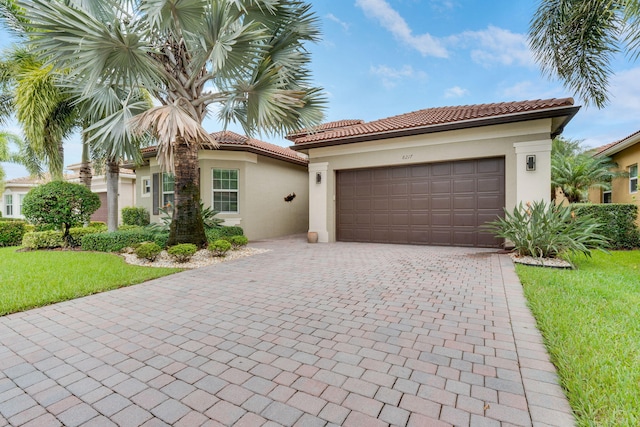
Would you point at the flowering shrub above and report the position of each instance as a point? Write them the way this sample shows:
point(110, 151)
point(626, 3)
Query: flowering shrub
point(547, 231)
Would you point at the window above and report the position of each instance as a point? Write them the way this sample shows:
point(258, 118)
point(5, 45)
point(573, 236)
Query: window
point(225, 190)
point(8, 205)
point(633, 178)
point(146, 186)
point(20, 202)
point(606, 197)
point(167, 189)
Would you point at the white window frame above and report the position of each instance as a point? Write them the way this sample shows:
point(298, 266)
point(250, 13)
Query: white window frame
point(163, 193)
point(235, 191)
point(20, 202)
point(633, 179)
point(145, 189)
point(8, 205)
point(604, 198)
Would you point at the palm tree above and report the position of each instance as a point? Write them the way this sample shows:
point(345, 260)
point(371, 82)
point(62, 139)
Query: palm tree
point(576, 40)
point(247, 56)
point(574, 170)
point(25, 156)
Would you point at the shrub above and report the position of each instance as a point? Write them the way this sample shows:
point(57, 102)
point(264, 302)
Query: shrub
point(619, 223)
point(546, 231)
point(135, 216)
point(209, 220)
point(148, 251)
point(61, 204)
point(219, 248)
point(214, 234)
point(11, 233)
point(237, 241)
point(117, 240)
point(77, 233)
point(101, 225)
point(182, 252)
point(126, 227)
point(43, 240)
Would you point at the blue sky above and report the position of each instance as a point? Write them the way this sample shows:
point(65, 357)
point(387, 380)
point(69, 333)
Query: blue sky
point(379, 58)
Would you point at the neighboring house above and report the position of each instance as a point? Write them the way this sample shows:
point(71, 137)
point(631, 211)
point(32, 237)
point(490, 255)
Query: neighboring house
point(16, 189)
point(244, 179)
point(626, 154)
point(433, 176)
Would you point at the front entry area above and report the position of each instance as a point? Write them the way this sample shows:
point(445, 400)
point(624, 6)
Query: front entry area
point(442, 203)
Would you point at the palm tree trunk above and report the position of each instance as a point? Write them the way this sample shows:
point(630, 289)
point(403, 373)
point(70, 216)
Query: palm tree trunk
point(187, 226)
point(113, 175)
point(85, 167)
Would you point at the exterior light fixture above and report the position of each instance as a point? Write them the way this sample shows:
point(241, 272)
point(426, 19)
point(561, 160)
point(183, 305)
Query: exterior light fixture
point(318, 177)
point(531, 162)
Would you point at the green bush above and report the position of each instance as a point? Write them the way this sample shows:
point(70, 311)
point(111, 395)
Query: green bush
point(182, 252)
point(135, 216)
point(117, 240)
point(214, 234)
point(219, 248)
point(11, 233)
point(126, 227)
point(148, 251)
point(10, 219)
point(60, 203)
point(43, 240)
point(100, 225)
point(77, 233)
point(237, 241)
point(547, 231)
point(619, 223)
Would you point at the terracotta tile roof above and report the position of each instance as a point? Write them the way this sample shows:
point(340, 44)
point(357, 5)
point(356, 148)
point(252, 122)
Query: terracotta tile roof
point(34, 180)
point(601, 149)
point(231, 140)
point(324, 127)
point(432, 117)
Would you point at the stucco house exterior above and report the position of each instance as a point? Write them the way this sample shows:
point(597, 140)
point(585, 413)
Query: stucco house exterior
point(16, 189)
point(259, 186)
point(626, 154)
point(432, 176)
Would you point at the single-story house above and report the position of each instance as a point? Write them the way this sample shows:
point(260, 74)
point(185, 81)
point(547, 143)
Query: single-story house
point(433, 176)
point(626, 154)
point(16, 189)
point(259, 186)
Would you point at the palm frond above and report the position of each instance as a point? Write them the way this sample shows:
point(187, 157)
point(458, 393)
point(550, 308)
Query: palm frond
point(168, 124)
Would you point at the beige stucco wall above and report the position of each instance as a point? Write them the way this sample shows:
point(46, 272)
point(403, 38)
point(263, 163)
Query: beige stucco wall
point(512, 141)
point(263, 184)
point(620, 186)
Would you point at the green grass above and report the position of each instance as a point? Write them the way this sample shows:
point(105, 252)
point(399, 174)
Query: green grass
point(34, 279)
point(590, 319)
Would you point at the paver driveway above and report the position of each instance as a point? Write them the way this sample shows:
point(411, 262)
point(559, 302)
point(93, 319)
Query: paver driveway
point(326, 334)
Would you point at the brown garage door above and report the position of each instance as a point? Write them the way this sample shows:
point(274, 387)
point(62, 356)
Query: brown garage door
point(430, 204)
point(101, 213)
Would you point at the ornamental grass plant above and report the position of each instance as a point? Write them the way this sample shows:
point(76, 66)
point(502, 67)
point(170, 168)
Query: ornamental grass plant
point(544, 230)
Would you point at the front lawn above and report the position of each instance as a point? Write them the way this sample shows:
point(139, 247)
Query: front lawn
point(590, 319)
point(34, 279)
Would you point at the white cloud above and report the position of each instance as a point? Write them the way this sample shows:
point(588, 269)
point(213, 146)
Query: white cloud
point(455, 92)
point(530, 90)
point(495, 46)
point(332, 17)
point(391, 20)
point(442, 5)
point(392, 76)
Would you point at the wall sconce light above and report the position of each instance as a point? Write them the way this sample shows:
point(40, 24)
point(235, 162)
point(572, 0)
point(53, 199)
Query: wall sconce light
point(531, 162)
point(318, 177)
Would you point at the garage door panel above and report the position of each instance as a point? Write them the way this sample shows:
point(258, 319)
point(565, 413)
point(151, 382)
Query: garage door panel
point(436, 204)
point(441, 187)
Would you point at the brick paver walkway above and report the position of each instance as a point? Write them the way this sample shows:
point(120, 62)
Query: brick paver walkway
point(309, 335)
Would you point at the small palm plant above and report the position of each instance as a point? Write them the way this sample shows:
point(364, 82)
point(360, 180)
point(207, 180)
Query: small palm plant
point(544, 230)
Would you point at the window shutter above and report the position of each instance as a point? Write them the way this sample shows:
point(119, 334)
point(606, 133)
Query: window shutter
point(155, 187)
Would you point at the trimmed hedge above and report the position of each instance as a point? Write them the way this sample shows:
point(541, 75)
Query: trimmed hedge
point(214, 234)
point(117, 240)
point(43, 240)
point(619, 222)
point(182, 252)
point(135, 216)
point(11, 232)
